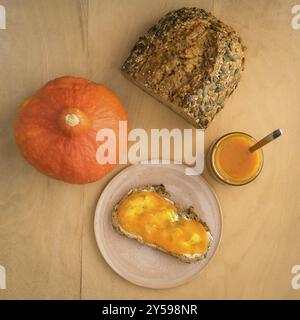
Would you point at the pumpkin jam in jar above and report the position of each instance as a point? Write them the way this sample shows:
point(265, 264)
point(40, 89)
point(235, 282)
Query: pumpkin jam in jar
point(231, 161)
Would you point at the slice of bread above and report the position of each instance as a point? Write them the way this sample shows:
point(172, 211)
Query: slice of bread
point(185, 214)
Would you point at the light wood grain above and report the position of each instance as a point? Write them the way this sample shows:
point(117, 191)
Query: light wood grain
point(47, 243)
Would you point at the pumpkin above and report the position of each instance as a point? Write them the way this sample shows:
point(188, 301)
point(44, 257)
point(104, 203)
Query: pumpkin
point(56, 128)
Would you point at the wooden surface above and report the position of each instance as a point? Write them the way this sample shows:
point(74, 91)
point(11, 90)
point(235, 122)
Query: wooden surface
point(47, 243)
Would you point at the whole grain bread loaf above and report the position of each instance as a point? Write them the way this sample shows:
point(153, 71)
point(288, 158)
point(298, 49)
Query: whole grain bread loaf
point(190, 61)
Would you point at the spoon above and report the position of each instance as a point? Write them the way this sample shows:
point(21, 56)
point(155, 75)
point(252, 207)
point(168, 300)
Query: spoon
point(267, 139)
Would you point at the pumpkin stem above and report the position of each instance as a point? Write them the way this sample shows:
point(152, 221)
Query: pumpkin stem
point(72, 120)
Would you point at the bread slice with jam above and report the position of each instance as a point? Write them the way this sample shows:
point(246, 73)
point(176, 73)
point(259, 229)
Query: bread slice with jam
point(148, 215)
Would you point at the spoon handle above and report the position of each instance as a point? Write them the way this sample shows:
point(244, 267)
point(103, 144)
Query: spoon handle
point(270, 137)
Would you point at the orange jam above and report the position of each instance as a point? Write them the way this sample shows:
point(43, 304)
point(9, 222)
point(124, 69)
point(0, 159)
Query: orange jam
point(156, 221)
point(231, 160)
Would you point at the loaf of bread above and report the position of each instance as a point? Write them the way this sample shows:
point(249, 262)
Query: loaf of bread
point(140, 208)
point(190, 61)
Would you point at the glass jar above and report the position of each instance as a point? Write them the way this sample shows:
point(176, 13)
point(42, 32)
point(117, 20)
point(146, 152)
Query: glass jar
point(230, 161)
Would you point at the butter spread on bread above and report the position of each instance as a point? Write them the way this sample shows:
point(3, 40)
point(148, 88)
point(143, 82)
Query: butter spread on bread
point(148, 215)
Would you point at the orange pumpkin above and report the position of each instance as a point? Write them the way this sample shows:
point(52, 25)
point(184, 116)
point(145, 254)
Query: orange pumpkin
point(56, 128)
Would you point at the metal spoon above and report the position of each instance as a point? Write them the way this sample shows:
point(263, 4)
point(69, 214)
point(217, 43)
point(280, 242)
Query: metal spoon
point(270, 137)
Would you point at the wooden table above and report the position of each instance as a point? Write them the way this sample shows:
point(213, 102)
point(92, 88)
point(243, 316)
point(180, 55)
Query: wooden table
point(47, 243)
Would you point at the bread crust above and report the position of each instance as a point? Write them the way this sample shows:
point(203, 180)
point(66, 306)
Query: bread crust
point(190, 61)
point(188, 213)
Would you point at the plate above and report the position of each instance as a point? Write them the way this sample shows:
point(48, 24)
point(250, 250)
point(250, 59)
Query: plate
point(141, 264)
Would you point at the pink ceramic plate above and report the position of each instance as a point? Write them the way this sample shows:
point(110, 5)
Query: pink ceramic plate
point(138, 263)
